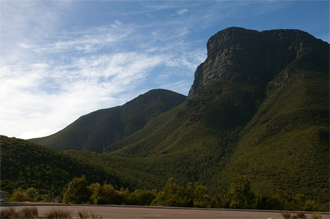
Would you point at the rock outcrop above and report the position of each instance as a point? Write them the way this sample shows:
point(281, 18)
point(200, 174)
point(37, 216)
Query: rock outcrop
point(249, 56)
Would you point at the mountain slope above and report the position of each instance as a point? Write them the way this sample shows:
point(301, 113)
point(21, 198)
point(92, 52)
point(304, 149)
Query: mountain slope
point(95, 131)
point(258, 107)
point(286, 144)
point(25, 164)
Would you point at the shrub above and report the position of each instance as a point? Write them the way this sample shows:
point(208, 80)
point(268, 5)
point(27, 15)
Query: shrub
point(31, 212)
point(58, 213)
point(286, 215)
point(88, 215)
point(300, 215)
point(10, 213)
point(316, 216)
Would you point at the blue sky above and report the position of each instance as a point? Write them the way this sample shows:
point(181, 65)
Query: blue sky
point(63, 59)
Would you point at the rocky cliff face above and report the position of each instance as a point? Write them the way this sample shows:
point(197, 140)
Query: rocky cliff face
point(252, 57)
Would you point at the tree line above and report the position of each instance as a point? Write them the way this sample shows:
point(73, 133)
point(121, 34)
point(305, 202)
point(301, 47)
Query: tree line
point(238, 196)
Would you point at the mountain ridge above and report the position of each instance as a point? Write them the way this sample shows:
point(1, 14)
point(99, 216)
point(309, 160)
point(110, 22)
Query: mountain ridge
point(98, 129)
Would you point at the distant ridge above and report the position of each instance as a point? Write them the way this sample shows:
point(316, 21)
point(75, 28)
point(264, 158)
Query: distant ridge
point(95, 131)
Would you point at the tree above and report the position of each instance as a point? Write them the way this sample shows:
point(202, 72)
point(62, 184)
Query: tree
point(270, 202)
point(310, 206)
point(142, 197)
point(221, 200)
point(107, 194)
point(122, 196)
point(200, 196)
point(170, 196)
point(95, 190)
point(262, 202)
point(193, 195)
point(242, 196)
point(77, 191)
point(18, 195)
point(31, 194)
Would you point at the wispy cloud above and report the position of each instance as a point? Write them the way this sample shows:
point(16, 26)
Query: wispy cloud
point(182, 11)
point(90, 40)
point(81, 87)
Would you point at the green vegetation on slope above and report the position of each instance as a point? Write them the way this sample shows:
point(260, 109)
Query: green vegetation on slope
point(95, 131)
point(193, 143)
point(25, 164)
point(278, 135)
point(286, 145)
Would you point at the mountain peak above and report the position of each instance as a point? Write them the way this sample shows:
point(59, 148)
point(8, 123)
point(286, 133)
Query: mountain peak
point(250, 56)
point(158, 94)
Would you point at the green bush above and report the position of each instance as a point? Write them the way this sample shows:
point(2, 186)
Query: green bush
point(31, 194)
point(221, 200)
point(242, 196)
point(77, 191)
point(141, 197)
point(18, 195)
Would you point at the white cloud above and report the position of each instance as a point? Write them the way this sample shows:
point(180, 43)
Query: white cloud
point(116, 24)
point(86, 84)
point(88, 41)
point(24, 23)
point(182, 11)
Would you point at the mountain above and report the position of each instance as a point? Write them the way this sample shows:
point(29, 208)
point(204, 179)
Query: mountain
point(286, 142)
point(95, 131)
point(258, 106)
